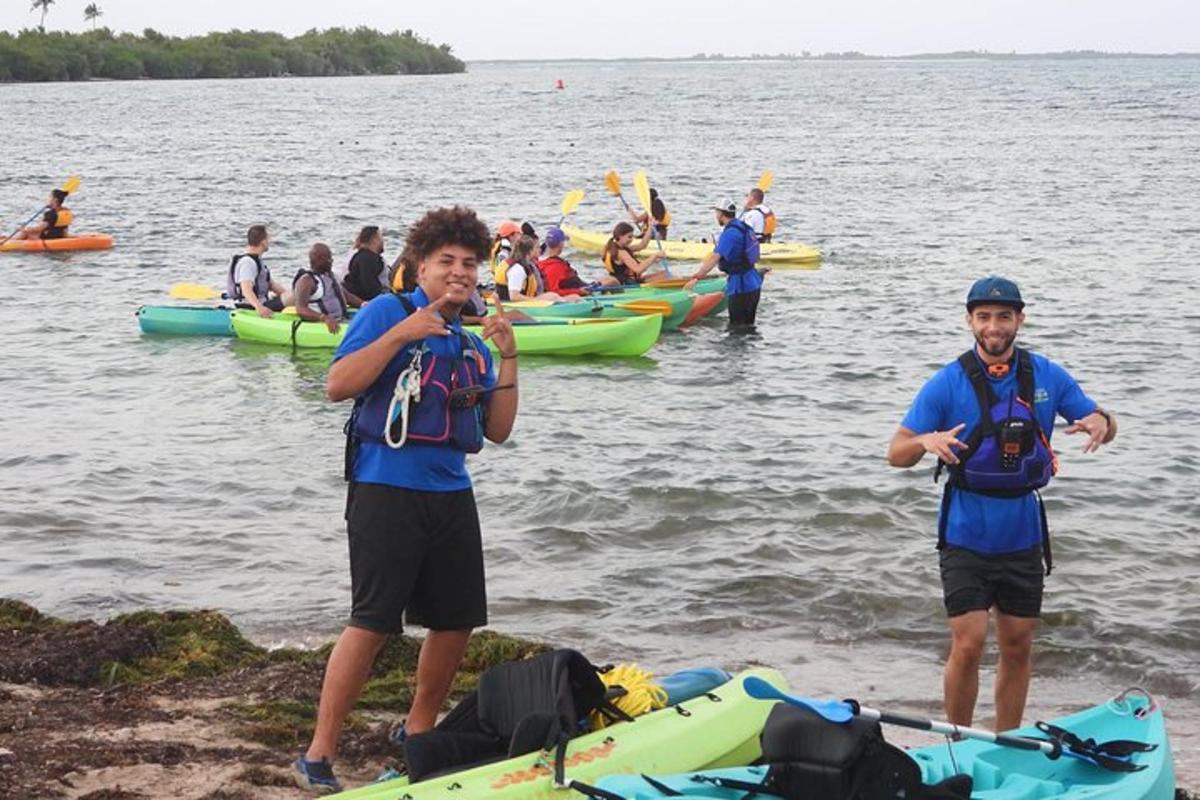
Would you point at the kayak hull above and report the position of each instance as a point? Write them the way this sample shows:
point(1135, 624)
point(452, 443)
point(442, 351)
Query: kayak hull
point(614, 306)
point(998, 773)
point(702, 306)
point(775, 254)
point(84, 241)
point(568, 337)
point(715, 732)
point(185, 320)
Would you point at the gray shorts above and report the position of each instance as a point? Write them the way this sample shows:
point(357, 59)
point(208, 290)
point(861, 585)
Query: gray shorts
point(1012, 582)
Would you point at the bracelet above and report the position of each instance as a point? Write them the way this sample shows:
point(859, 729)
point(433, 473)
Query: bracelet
point(506, 358)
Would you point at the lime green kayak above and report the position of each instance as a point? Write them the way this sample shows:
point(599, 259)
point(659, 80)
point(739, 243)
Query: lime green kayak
point(673, 306)
point(774, 254)
point(564, 337)
point(716, 730)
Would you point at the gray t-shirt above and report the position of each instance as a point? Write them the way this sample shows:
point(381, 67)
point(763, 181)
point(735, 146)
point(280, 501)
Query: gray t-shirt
point(245, 270)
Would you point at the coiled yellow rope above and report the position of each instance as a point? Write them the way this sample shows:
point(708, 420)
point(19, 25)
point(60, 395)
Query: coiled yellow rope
point(641, 696)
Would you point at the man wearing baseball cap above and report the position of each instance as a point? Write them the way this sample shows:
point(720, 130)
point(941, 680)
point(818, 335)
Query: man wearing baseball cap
point(988, 417)
point(736, 254)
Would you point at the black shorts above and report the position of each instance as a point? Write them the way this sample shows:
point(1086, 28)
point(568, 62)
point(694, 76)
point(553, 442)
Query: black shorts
point(976, 581)
point(414, 556)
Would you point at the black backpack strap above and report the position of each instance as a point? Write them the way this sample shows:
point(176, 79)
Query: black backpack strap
point(983, 392)
point(409, 308)
point(943, 515)
point(1024, 376)
point(1047, 557)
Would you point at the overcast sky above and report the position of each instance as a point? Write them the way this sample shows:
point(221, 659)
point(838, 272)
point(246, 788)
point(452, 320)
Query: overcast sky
point(621, 28)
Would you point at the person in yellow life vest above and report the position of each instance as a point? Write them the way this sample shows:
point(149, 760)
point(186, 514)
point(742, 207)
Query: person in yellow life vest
point(758, 215)
point(506, 236)
point(55, 220)
point(621, 264)
point(522, 280)
point(662, 217)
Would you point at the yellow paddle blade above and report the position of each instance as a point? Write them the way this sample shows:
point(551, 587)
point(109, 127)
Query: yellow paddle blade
point(642, 186)
point(646, 307)
point(194, 291)
point(666, 283)
point(613, 181)
point(72, 183)
point(766, 180)
point(571, 201)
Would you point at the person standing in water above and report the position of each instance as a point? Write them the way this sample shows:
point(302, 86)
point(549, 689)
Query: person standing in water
point(988, 417)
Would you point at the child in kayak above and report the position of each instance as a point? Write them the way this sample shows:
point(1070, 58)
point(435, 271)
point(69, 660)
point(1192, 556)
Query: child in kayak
point(522, 280)
point(55, 219)
point(620, 262)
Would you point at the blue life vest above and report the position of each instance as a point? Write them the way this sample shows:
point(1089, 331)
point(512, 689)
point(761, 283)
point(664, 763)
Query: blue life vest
point(450, 412)
point(1008, 454)
point(749, 253)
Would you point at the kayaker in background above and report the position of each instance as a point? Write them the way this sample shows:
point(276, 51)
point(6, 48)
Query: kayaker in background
point(506, 236)
point(527, 229)
point(662, 217)
point(522, 280)
point(55, 219)
point(735, 254)
point(620, 262)
point(992, 534)
point(758, 215)
point(367, 275)
point(248, 282)
point(415, 544)
point(318, 297)
point(561, 278)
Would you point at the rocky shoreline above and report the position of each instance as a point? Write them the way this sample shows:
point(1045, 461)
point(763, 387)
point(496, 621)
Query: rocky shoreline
point(181, 704)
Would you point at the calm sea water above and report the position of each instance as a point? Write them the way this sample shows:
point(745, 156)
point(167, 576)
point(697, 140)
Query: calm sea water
point(724, 500)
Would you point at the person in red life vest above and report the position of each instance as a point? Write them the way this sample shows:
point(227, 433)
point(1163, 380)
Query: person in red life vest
point(561, 278)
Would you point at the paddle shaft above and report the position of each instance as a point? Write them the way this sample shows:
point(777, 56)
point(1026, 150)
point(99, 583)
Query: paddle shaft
point(962, 731)
point(22, 226)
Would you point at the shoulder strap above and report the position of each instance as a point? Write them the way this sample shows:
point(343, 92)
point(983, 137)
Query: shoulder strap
point(409, 308)
point(983, 393)
point(1024, 375)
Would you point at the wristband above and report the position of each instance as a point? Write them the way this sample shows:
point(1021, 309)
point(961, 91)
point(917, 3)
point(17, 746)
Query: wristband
point(506, 358)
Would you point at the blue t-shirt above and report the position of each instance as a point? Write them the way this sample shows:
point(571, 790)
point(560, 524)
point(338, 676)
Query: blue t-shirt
point(978, 522)
point(423, 467)
point(730, 247)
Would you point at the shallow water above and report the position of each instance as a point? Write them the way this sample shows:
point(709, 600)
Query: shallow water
point(723, 500)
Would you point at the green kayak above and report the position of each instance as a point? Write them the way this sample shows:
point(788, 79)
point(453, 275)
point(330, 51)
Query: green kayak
point(563, 337)
point(672, 305)
point(717, 729)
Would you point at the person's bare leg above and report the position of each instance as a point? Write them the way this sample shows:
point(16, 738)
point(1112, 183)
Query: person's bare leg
point(968, 634)
point(441, 654)
point(1014, 635)
point(348, 668)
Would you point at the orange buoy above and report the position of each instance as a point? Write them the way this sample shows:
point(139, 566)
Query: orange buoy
point(558, 84)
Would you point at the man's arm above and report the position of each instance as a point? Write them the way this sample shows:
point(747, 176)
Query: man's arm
point(250, 297)
point(304, 290)
point(353, 373)
point(908, 447)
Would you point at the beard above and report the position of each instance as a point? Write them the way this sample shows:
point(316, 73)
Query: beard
point(996, 347)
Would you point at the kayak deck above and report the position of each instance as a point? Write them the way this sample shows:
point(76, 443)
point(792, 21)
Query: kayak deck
point(775, 254)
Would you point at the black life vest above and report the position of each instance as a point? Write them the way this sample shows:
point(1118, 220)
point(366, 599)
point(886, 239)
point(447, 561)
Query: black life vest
point(616, 267)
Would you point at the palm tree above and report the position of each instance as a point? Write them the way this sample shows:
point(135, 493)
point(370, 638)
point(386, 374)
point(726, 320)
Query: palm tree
point(92, 13)
point(44, 5)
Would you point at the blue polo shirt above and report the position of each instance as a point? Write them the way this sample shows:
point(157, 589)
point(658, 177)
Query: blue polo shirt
point(978, 522)
point(730, 246)
point(422, 467)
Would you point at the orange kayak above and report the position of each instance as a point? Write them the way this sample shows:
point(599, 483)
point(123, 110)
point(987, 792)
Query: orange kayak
point(84, 241)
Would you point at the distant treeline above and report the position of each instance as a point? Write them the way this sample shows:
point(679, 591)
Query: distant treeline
point(36, 56)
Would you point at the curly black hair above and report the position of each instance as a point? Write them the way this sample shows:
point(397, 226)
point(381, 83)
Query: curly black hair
point(442, 226)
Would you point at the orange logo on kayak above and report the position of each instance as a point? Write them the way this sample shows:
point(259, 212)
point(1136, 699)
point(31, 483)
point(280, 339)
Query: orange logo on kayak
point(543, 770)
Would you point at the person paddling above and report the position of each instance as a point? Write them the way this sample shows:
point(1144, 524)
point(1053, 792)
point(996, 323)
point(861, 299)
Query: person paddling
point(758, 215)
point(658, 210)
point(561, 278)
point(248, 282)
point(367, 274)
point(988, 417)
point(736, 253)
point(414, 534)
point(56, 218)
point(318, 297)
point(622, 265)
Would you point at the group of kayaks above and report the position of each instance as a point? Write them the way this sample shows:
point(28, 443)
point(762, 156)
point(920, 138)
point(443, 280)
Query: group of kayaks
point(626, 323)
point(712, 746)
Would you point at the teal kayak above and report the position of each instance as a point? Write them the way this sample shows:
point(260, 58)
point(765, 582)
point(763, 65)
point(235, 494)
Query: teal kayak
point(185, 320)
point(997, 772)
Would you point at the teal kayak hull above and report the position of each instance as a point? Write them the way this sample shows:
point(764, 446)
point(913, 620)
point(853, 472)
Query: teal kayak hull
point(998, 773)
point(185, 320)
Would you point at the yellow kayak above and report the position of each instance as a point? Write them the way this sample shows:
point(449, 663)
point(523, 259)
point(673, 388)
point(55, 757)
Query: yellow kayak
point(774, 254)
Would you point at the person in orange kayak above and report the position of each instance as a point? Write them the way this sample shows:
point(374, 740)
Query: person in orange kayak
point(318, 296)
point(620, 262)
point(561, 278)
point(54, 222)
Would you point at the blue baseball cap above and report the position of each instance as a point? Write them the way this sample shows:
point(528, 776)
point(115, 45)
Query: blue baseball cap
point(555, 237)
point(994, 290)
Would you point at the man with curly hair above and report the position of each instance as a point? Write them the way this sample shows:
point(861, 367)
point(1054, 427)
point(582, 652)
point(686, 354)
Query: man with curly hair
point(415, 545)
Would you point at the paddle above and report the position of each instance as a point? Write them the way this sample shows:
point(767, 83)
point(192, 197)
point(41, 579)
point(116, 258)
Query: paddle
point(70, 185)
point(642, 186)
point(765, 180)
point(1113, 755)
point(570, 202)
point(194, 291)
